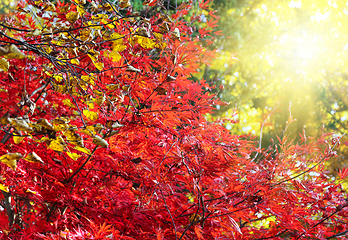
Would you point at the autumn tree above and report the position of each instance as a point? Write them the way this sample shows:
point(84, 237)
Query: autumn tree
point(104, 135)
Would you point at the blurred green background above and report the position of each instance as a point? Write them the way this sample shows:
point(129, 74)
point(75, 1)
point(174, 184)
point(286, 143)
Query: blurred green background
point(292, 59)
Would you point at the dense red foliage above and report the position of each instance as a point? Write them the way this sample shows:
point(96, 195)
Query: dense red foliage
point(104, 137)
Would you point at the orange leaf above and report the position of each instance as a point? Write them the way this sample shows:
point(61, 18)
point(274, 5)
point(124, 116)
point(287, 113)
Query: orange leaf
point(199, 232)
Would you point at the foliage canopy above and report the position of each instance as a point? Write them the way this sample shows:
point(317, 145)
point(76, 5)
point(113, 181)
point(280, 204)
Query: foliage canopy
point(104, 135)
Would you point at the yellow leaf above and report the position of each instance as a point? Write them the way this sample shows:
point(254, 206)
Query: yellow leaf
point(11, 163)
point(100, 100)
point(17, 139)
point(57, 145)
point(88, 79)
point(45, 124)
point(109, 25)
point(60, 126)
point(114, 55)
point(89, 131)
point(72, 16)
point(86, 34)
point(116, 38)
point(14, 53)
point(99, 16)
point(90, 115)
point(74, 156)
point(5, 119)
point(64, 9)
point(4, 65)
point(60, 120)
point(124, 3)
point(4, 188)
point(58, 78)
point(46, 140)
point(10, 159)
point(98, 65)
point(73, 138)
point(33, 157)
point(118, 47)
point(94, 25)
point(112, 86)
point(98, 127)
point(11, 156)
point(68, 103)
point(90, 104)
point(84, 150)
point(21, 125)
point(36, 32)
point(75, 61)
point(80, 2)
point(93, 55)
point(97, 140)
point(158, 36)
point(145, 42)
point(49, 7)
point(61, 88)
point(80, 10)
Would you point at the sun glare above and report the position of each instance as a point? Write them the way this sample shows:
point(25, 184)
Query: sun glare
point(306, 47)
point(301, 48)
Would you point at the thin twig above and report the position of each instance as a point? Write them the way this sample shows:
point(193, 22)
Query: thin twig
point(168, 210)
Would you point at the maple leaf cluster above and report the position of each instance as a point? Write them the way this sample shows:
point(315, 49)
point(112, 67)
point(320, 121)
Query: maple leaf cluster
point(104, 136)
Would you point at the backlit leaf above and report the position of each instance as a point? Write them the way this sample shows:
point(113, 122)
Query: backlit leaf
point(68, 103)
point(74, 156)
point(100, 142)
point(21, 125)
point(10, 159)
point(84, 150)
point(75, 61)
point(72, 16)
point(114, 55)
point(74, 138)
point(90, 115)
point(14, 53)
point(57, 144)
point(18, 139)
point(113, 86)
point(130, 68)
point(98, 65)
point(146, 42)
point(33, 157)
point(80, 10)
point(45, 123)
point(4, 188)
point(89, 131)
